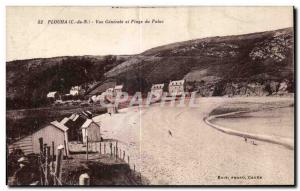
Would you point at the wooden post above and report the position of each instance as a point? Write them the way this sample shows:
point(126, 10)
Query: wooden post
point(117, 152)
point(47, 161)
point(65, 145)
point(104, 148)
point(114, 151)
point(111, 152)
point(84, 179)
point(100, 148)
point(87, 148)
point(44, 153)
point(41, 145)
point(123, 155)
point(44, 149)
point(52, 158)
point(41, 168)
point(59, 157)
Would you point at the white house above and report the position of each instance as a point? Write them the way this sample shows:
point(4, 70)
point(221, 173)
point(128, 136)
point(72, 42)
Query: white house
point(157, 89)
point(118, 89)
point(176, 88)
point(52, 95)
point(75, 90)
point(109, 92)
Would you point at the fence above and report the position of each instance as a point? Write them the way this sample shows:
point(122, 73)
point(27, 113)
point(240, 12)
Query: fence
point(115, 151)
point(50, 166)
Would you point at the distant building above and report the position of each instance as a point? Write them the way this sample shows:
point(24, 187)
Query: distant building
point(118, 89)
point(55, 131)
point(53, 95)
point(157, 89)
point(76, 90)
point(176, 88)
point(109, 92)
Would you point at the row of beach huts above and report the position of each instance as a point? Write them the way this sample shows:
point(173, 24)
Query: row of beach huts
point(80, 126)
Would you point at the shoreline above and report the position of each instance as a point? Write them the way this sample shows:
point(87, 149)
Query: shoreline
point(286, 142)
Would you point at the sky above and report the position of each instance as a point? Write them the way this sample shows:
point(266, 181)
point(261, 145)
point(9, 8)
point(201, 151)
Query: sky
point(26, 38)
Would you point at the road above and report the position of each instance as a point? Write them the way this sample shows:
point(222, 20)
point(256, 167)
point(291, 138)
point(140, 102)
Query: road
point(195, 153)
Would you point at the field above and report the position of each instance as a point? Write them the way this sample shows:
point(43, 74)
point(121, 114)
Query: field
point(195, 153)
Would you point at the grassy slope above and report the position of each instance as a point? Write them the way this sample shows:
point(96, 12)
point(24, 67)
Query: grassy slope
point(266, 55)
point(251, 57)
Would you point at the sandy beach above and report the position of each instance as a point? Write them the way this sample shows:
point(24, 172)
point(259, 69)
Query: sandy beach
point(195, 153)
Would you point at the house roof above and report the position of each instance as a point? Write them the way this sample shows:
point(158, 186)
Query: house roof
point(72, 116)
point(87, 123)
point(178, 82)
point(157, 86)
point(109, 90)
point(51, 94)
point(53, 123)
point(59, 126)
point(76, 117)
point(118, 87)
point(65, 120)
point(75, 123)
point(87, 114)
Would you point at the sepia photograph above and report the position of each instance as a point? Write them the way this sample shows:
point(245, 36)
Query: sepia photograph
point(150, 96)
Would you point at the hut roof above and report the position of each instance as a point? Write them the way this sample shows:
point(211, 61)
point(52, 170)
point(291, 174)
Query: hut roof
point(77, 123)
point(59, 126)
point(87, 123)
point(56, 124)
point(64, 121)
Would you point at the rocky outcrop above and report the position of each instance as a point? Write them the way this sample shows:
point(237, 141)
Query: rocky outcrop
point(268, 88)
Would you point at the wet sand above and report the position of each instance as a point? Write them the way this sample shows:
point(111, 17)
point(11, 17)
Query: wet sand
point(195, 153)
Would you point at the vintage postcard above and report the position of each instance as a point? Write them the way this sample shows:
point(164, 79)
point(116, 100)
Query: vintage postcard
point(146, 96)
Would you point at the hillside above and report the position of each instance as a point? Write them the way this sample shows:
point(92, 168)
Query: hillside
point(257, 57)
point(29, 81)
point(250, 64)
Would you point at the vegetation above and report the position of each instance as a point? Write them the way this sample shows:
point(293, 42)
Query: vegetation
point(209, 62)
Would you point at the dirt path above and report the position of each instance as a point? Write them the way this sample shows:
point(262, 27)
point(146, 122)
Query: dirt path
point(195, 153)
